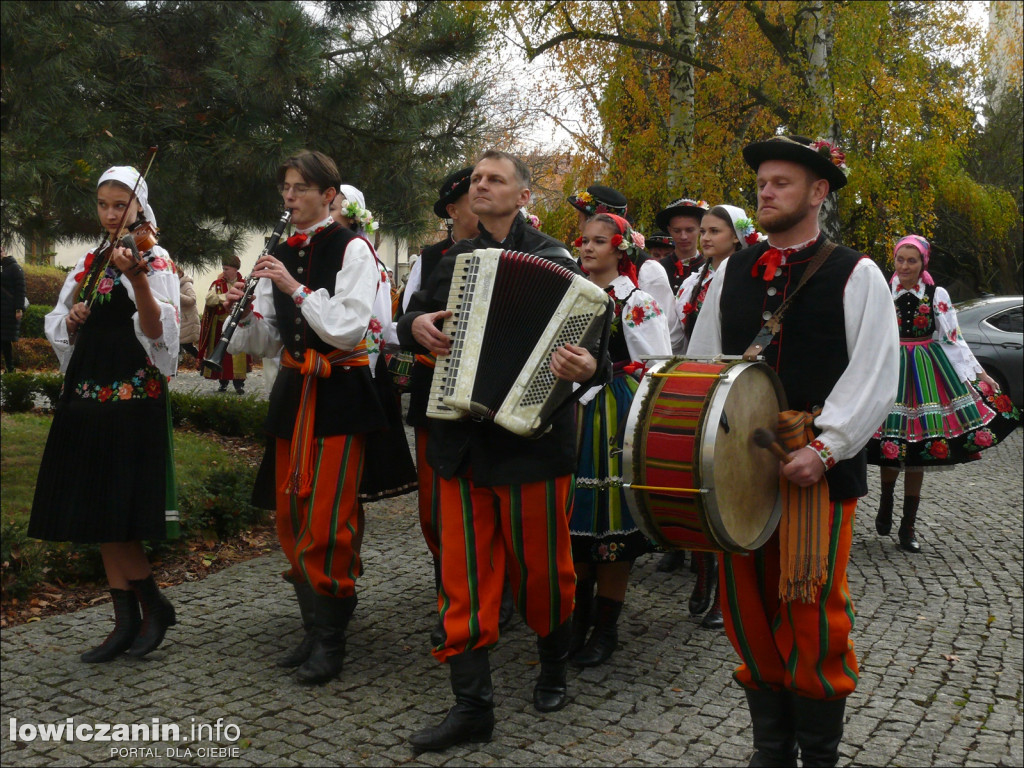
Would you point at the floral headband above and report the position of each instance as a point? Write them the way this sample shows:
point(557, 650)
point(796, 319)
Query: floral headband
point(745, 229)
point(689, 202)
point(360, 215)
point(832, 153)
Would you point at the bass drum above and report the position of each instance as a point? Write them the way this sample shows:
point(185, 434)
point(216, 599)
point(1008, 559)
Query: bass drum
point(695, 479)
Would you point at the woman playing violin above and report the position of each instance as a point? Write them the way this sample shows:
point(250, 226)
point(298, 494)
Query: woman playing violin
point(107, 469)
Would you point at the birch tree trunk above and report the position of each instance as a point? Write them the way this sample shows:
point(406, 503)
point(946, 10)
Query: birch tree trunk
point(681, 122)
point(815, 30)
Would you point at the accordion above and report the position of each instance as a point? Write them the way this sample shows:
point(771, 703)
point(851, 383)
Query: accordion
point(510, 311)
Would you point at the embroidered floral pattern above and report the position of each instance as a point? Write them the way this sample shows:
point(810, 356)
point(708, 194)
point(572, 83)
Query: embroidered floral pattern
point(146, 383)
point(824, 453)
point(301, 294)
point(936, 449)
point(890, 450)
point(644, 310)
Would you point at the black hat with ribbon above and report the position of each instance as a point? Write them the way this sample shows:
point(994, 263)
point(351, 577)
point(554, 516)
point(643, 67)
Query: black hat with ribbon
point(662, 239)
point(684, 206)
point(599, 199)
point(452, 188)
point(822, 157)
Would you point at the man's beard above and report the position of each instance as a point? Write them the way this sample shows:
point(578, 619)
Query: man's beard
point(775, 222)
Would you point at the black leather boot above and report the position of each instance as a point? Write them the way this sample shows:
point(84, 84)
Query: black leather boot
point(671, 561)
point(472, 717)
point(330, 619)
point(304, 595)
point(127, 621)
point(883, 520)
point(774, 725)
point(437, 634)
point(713, 619)
point(582, 614)
point(908, 539)
point(819, 730)
point(707, 572)
point(507, 612)
point(605, 637)
point(550, 693)
point(157, 616)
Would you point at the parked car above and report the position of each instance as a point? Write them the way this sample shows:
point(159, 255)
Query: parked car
point(993, 327)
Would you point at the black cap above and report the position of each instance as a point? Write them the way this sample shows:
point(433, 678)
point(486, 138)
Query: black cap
point(452, 188)
point(820, 156)
point(661, 238)
point(599, 199)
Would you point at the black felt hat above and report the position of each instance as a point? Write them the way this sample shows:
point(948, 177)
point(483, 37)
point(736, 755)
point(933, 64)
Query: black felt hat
point(662, 239)
point(684, 206)
point(599, 199)
point(452, 188)
point(820, 156)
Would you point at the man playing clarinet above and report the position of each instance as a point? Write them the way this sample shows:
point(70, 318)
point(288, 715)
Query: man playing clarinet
point(836, 351)
point(314, 309)
point(503, 498)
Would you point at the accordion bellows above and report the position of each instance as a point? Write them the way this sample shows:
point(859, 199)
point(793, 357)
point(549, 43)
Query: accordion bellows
point(510, 311)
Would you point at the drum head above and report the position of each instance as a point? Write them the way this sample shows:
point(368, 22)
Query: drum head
point(744, 507)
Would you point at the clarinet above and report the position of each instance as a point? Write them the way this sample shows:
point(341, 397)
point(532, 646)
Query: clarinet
point(212, 364)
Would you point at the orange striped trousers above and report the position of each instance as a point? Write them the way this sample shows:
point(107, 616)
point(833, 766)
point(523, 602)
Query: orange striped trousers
point(320, 534)
point(801, 647)
point(484, 530)
point(428, 491)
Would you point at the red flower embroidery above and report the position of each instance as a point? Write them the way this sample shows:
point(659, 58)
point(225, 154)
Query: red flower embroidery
point(890, 450)
point(943, 307)
point(920, 321)
point(983, 438)
point(638, 315)
point(924, 309)
point(688, 308)
point(375, 326)
point(104, 394)
point(1003, 404)
point(153, 387)
point(159, 263)
point(939, 449)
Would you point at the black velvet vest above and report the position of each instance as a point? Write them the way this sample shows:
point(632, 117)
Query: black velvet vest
point(809, 352)
point(347, 401)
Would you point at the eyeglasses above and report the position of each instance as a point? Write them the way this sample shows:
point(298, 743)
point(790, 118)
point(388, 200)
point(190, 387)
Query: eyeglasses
point(298, 189)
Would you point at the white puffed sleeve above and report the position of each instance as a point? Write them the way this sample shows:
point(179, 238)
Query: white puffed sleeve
point(964, 363)
point(54, 324)
point(645, 327)
point(166, 289)
point(652, 279)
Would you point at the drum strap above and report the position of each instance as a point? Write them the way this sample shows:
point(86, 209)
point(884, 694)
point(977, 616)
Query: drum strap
point(774, 323)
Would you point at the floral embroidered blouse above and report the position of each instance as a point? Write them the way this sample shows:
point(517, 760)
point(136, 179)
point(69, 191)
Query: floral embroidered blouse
point(163, 283)
point(684, 308)
point(926, 310)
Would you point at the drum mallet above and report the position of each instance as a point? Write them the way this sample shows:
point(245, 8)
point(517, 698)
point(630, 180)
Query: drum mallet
point(765, 438)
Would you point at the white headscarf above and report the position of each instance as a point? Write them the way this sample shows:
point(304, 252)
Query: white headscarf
point(741, 225)
point(351, 194)
point(127, 175)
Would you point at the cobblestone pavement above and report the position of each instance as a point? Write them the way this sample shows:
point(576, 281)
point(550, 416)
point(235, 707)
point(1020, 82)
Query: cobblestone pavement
point(939, 637)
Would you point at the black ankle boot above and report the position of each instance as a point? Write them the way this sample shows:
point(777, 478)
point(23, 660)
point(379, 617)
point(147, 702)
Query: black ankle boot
point(330, 619)
point(437, 634)
point(819, 730)
point(297, 656)
point(472, 717)
point(707, 572)
point(507, 612)
point(605, 637)
point(550, 693)
point(883, 520)
point(157, 616)
point(127, 621)
point(582, 615)
point(671, 561)
point(908, 539)
point(774, 726)
point(713, 619)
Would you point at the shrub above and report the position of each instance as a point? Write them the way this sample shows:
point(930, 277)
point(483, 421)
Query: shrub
point(217, 506)
point(32, 321)
point(35, 355)
point(49, 386)
point(237, 417)
point(17, 391)
point(43, 284)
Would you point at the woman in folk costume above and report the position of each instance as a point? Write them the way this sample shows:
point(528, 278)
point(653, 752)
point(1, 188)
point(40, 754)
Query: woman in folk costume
point(939, 418)
point(107, 473)
point(314, 310)
point(724, 230)
point(388, 469)
point(215, 314)
point(605, 539)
